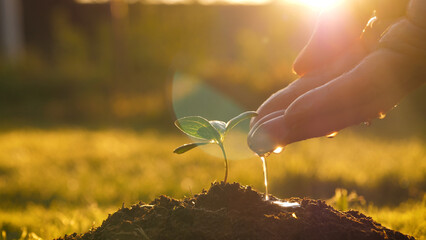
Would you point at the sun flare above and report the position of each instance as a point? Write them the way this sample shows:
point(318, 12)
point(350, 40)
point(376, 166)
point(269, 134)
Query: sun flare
point(317, 3)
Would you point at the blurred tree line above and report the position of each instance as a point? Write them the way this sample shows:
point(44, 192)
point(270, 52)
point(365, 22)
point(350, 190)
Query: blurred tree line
point(99, 63)
point(114, 64)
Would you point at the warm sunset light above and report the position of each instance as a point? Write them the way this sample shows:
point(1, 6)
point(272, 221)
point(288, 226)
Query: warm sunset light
point(182, 119)
point(316, 3)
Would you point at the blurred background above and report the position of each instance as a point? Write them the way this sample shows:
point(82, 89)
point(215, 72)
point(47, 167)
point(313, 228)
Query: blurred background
point(89, 91)
point(113, 63)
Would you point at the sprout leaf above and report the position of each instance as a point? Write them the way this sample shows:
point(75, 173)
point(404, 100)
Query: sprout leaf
point(186, 147)
point(233, 122)
point(197, 127)
point(210, 131)
point(219, 126)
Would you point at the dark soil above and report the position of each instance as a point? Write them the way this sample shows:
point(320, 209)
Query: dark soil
point(232, 211)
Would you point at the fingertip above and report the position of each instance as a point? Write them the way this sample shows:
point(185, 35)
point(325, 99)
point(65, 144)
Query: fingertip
point(266, 118)
point(267, 136)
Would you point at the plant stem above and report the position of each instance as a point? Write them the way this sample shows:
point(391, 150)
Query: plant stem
point(226, 162)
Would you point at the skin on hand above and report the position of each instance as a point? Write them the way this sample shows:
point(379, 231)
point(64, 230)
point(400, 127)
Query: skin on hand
point(334, 48)
point(337, 30)
point(320, 103)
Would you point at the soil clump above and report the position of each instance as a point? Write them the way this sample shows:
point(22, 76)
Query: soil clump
point(231, 211)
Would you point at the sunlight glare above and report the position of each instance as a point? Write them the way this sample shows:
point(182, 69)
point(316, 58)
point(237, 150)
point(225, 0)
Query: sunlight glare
point(332, 135)
point(287, 204)
point(317, 3)
point(278, 149)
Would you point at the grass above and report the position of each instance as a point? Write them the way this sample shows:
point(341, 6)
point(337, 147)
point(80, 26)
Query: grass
point(60, 181)
point(409, 217)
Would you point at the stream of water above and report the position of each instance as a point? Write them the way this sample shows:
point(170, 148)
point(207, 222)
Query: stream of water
point(265, 178)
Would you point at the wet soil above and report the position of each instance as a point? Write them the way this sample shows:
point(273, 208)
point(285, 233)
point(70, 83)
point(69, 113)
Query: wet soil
point(232, 211)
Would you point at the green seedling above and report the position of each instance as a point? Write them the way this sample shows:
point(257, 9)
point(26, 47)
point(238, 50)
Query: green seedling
point(208, 132)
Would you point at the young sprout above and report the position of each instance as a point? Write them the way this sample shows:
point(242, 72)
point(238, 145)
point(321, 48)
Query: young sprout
point(208, 132)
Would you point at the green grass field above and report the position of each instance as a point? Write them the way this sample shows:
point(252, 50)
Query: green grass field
point(60, 181)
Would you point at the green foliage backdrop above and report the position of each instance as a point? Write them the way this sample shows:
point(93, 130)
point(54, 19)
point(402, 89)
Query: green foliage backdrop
point(83, 65)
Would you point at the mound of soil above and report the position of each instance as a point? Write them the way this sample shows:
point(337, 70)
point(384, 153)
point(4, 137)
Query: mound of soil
point(232, 211)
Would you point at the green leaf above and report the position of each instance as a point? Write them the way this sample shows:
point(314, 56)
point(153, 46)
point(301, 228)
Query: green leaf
point(186, 147)
point(197, 127)
point(233, 122)
point(219, 126)
point(207, 132)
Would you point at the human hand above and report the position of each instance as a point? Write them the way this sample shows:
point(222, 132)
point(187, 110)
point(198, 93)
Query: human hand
point(342, 84)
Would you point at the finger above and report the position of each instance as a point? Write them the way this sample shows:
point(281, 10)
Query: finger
point(276, 132)
point(324, 125)
point(279, 100)
point(343, 63)
point(337, 30)
point(284, 97)
point(415, 12)
point(266, 118)
point(267, 136)
point(372, 87)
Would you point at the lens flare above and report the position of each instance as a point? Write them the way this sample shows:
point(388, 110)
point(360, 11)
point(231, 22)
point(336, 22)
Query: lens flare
point(195, 96)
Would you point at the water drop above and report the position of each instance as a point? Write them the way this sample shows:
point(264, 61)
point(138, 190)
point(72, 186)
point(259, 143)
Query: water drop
point(382, 115)
point(371, 22)
point(278, 149)
point(332, 135)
